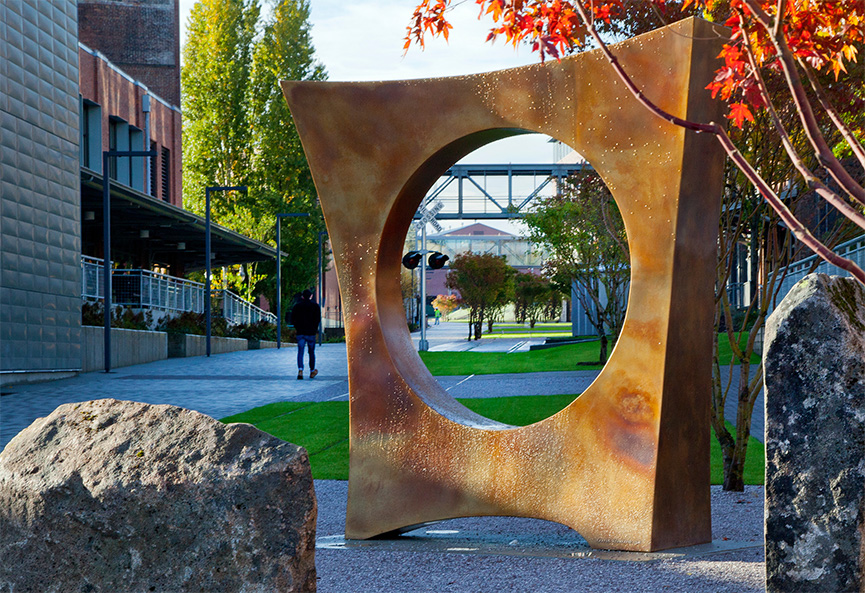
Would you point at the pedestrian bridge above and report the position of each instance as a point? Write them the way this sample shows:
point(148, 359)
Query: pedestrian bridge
point(496, 191)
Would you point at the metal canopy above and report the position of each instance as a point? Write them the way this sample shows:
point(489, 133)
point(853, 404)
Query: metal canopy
point(167, 226)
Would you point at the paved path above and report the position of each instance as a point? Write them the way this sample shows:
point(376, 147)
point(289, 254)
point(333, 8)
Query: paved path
point(226, 384)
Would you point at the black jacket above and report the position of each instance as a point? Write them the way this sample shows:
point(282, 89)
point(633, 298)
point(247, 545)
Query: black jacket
point(305, 317)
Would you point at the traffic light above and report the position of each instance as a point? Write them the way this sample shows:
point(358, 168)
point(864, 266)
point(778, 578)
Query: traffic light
point(437, 260)
point(411, 260)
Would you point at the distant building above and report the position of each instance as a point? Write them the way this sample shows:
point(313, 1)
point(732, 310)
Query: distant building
point(62, 104)
point(141, 38)
point(479, 238)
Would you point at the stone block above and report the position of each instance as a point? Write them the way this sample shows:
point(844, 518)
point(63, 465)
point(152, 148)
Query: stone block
point(186, 345)
point(815, 437)
point(128, 347)
point(111, 496)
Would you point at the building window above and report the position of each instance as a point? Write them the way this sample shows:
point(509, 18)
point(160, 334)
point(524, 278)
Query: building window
point(166, 174)
point(118, 139)
point(154, 166)
point(138, 163)
point(91, 135)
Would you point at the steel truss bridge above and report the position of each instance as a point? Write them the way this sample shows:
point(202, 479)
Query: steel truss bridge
point(495, 191)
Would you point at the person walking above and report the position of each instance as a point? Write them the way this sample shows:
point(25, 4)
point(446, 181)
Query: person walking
point(306, 317)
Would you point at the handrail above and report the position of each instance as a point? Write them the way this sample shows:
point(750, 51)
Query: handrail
point(153, 290)
point(854, 250)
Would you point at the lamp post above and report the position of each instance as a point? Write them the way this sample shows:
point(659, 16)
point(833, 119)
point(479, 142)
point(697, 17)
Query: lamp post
point(423, 344)
point(279, 218)
point(320, 283)
point(411, 260)
point(107, 155)
point(207, 191)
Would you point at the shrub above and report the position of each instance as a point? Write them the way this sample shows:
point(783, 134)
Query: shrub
point(121, 317)
point(187, 322)
point(261, 330)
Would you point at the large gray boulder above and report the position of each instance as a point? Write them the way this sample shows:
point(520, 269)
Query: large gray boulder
point(113, 496)
point(814, 366)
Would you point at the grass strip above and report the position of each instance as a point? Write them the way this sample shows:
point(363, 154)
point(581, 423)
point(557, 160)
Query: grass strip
point(569, 357)
point(322, 429)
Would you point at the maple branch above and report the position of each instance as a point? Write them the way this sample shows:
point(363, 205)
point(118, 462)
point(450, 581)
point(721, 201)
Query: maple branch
point(806, 114)
point(795, 226)
point(779, 13)
point(812, 181)
point(846, 133)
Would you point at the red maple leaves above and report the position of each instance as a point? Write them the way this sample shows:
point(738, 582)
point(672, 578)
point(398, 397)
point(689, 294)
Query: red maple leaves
point(820, 33)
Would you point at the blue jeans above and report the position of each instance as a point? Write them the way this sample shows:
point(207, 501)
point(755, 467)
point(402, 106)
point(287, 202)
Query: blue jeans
point(310, 345)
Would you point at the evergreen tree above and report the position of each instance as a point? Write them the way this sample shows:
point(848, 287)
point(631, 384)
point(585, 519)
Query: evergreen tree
point(238, 131)
point(281, 175)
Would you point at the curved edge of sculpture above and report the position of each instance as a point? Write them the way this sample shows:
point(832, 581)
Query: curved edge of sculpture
point(626, 463)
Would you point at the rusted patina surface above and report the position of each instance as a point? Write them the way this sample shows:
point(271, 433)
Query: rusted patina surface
point(627, 463)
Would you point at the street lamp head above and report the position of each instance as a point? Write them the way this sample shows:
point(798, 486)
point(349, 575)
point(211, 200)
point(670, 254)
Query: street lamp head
point(437, 260)
point(411, 260)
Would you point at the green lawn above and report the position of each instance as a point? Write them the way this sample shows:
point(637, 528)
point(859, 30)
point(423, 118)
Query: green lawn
point(559, 358)
point(519, 330)
point(322, 428)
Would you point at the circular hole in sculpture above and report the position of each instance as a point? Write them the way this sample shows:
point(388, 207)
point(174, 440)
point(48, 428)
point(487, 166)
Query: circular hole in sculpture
point(536, 279)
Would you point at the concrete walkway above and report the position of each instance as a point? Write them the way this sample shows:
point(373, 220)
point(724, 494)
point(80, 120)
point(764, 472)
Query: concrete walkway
point(460, 555)
point(227, 384)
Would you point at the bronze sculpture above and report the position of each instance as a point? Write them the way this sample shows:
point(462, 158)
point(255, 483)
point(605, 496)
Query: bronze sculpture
point(627, 463)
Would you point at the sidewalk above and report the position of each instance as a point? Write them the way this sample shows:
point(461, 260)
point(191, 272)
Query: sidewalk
point(226, 384)
point(452, 336)
point(218, 386)
point(460, 555)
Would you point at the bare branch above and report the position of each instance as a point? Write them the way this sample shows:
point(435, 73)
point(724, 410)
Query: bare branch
point(806, 114)
point(779, 16)
point(846, 133)
point(812, 180)
point(795, 226)
point(623, 76)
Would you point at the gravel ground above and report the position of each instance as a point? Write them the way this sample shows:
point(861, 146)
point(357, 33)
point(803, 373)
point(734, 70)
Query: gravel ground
point(736, 517)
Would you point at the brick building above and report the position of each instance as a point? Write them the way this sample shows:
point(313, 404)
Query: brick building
point(62, 105)
point(140, 37)
point(113, 117)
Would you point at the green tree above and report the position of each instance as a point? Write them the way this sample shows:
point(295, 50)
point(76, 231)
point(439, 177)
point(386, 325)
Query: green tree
point(238, 131)
point(484, 281)
point(582, 231)
point(279, 170)
point(217, 64)
point(531, 297)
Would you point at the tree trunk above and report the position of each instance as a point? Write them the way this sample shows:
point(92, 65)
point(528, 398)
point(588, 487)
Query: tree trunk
point(602, 358)
point(479, 328)
point(734, 467)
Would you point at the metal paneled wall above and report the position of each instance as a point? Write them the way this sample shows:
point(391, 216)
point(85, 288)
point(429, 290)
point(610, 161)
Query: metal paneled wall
point(40, 227)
